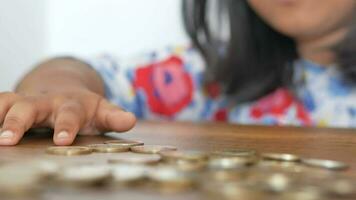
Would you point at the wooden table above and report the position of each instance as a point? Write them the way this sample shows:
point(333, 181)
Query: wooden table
point(335, 144)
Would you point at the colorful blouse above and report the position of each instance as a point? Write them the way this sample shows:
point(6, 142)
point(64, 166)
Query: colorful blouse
point(169, 85)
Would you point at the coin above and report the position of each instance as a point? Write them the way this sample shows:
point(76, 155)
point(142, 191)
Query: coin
point(189, 166)
point(304, 193)
point(147, 159)
point(281, 157)
point(269, 181)
point(326, 164)
point(170, 180)
point(124, 173)
point(108, 148)
point(122, 142)
point(230, 162)
point(183, 155)
point(152, 149)
point(84, 174)
point(341, 187)
point(69, 151)
point(230, 191)
point(277, 182)
point(235, 152)
point(47, 168)
point(167, 174)
point(228, 175)
point(19, 180)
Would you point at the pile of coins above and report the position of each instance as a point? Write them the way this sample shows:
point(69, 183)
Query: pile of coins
point(226, 174)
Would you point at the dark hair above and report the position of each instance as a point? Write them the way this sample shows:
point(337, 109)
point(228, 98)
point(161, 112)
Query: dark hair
point(245, 55)
point(346, 54)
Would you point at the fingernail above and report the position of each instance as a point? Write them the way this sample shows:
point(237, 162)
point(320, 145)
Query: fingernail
point(63, 134)
point(6, 134)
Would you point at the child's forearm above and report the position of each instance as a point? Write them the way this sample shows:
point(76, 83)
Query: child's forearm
point(61, 74)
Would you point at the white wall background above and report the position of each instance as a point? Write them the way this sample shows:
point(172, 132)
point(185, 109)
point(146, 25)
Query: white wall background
point(31, 30)
point(22, 38)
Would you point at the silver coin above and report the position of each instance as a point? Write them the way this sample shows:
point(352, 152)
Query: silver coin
point(281, 157)
point(326, 164)
point(84, 174)
point(124, 173)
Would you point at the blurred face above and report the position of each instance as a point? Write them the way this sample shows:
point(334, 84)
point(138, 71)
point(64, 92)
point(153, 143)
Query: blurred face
point(305, 19)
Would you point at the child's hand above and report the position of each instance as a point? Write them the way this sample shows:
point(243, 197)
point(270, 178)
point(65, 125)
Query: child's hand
point(67, 111)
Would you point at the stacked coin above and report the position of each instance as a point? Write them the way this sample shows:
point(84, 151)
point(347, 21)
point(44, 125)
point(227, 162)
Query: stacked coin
point(144, 159)
point(69, 151)
point(281, 157)
point(169, 179)
point(128, 173)
point(152, 149)
point(186, 160)
point(327, 164)
point(340, 188)
point(108, 148)
point(169, 155)
point(230, 191)
point(82, 175)
point(19, 180)
point(235, 153)
point(122, 142)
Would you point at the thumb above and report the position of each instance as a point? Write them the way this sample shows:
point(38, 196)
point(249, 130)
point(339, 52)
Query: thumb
point(110, 117)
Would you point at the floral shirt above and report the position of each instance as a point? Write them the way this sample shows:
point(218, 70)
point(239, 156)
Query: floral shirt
point(168, 85)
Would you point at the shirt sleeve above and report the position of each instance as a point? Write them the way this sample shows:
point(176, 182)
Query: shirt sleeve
point(158, 85)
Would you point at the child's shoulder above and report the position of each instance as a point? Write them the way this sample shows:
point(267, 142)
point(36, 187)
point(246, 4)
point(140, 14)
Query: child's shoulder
point(185, 53)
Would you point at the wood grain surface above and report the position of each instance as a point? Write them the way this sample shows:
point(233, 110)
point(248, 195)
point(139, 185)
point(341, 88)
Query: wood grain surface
point(334, 144)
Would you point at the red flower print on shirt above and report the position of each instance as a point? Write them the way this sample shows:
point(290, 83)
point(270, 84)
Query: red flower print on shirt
point(167, 86)
point(221, 115)
point(213, 89)
point(303, 115)
point(277, 104)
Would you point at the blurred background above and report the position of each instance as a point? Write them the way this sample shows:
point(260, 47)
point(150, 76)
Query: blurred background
point(33, 30)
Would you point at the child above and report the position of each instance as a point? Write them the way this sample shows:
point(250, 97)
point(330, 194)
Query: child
point(281, 62)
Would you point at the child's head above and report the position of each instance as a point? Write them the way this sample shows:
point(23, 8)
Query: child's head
point(305, 19)
point(250, 44)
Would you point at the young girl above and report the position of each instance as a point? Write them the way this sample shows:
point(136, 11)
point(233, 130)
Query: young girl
point(280, 62)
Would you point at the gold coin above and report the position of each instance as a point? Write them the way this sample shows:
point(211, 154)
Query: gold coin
point(230, 162)
point(277, 182)
point(69, 151)
point(189, 166)
point(152, 149)
point(108, 148)
point(341, 187)
point(147, 159)
point(84, 174)
point(47, 168)
point(126, 143)
point(306, 193)
point(230, 191)
point(235, 152)
point(170, 180)
point(167, 174)
point(183, 155)
point(19, 180)
point(223, 176)
point(281, 157)
point(326, 164)
point(125, 173)
point(277, 164)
